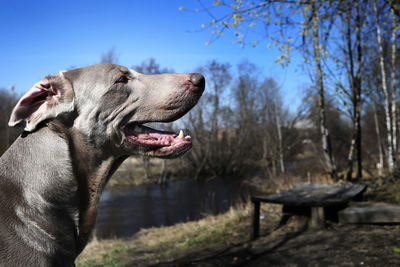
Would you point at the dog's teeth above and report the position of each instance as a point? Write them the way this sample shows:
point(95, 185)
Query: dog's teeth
point(180, 136)
point(146, 133)
point(188, 137)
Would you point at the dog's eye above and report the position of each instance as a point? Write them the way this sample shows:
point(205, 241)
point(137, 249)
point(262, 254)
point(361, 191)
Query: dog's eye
point(122, 79)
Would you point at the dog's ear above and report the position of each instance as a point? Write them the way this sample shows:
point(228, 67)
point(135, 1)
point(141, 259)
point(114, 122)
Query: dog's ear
point(45, 100)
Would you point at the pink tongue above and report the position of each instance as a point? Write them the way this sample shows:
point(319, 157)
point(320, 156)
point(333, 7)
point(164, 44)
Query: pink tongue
point(156, 139)
point(150, 137)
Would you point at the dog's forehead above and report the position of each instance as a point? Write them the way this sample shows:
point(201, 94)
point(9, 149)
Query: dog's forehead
point(95, 73)
point(105, 68)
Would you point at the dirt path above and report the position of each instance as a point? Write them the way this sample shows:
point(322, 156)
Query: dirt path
point(338, 245)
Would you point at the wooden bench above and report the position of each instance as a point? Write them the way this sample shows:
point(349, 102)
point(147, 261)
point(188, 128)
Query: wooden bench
point(312, 200)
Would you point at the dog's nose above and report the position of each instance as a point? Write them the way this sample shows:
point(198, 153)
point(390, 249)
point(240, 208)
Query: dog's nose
point(198, 81)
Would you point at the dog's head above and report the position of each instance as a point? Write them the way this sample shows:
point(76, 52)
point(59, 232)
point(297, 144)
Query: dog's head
point(108, 104)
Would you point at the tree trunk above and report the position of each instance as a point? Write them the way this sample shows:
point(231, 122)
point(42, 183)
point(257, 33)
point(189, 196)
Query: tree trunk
point(393, 78)
point(7, 130)
point(278, 127)
point(350, 75)
point(350, 158)
point(146, 166)
point(394, 7)
point(203, 163)
point(325, 138)
point(379, 165)
point(9, 107)
point(163, 175)
point(391, 158)
point(355, 85)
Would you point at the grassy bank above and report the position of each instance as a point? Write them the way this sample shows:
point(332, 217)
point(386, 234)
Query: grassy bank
point(184, 240)
point(131, 173)
point(217, 236)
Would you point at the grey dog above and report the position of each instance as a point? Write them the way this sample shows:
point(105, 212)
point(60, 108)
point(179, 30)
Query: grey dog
point(79, 126)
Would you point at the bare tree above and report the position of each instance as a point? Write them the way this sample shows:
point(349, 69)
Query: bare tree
point(109, 57)
point(206, 125)
point(389, 125)
point(150, 66)
point(379, 165)
point(8, 100)
point(353, 62)
point(10, 104)
point(270, 103)
point(199, 154)
point(278, 129)
point(326, 140)
point(395, 27)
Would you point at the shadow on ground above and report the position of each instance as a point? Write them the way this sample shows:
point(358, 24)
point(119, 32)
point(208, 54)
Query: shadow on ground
point(337, 245)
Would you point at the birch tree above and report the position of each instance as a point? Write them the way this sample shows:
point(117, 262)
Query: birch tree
point(379, 165)
point(353, 64)
point(395, 7)
point(279, 131)
point(271, 112)
point(325, 138)
point(388, 110)
point(395, 27)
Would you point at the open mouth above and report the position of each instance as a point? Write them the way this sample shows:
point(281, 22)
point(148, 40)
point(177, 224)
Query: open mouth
point(158, 143)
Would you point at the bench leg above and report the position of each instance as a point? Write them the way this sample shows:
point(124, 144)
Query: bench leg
point(317, 217)
point(256, 220)
point(284, 219)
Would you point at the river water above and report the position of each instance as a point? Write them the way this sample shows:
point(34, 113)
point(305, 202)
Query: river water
point(123, 212)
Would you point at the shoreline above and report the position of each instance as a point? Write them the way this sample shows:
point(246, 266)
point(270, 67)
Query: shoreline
point(131, 173)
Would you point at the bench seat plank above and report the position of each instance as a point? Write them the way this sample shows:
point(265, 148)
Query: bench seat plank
point(314, 195)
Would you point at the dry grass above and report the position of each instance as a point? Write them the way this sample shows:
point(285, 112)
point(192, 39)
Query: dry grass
point(211, 235)
point(165, 244)
point(131, 173)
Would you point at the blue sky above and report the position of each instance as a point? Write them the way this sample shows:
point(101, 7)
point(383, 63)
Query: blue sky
point(43, 37)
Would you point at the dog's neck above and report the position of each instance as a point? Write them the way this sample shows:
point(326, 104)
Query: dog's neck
point(92, 169)
point(58, 173)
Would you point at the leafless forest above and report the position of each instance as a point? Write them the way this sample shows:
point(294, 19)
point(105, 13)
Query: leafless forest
point(347, 125)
